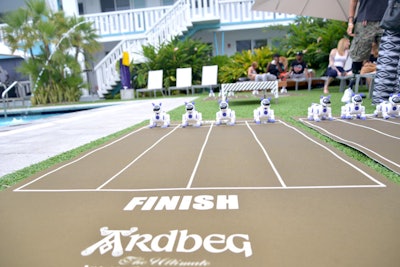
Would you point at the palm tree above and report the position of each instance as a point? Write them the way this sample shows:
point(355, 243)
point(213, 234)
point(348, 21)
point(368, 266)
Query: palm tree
point(60, 41)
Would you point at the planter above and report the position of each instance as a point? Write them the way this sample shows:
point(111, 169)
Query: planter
point(127, 94)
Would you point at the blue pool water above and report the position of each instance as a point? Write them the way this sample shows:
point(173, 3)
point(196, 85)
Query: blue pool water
point(23, 119)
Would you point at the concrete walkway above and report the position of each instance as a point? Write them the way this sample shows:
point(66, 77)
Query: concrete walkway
point(24, 145)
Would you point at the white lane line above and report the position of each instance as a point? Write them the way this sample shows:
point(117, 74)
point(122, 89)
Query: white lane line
point(206, 188)
point(78, 159)
point(393, 121)
point(137, 158)
point(336, 155)
point(267, 156)
point(199, 158)
point(351, 142)
point(369, 128)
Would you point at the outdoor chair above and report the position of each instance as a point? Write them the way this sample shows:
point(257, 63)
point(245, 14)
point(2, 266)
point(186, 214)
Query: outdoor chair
point(154, 83)
point(209, 78)
point(183, 81)
point(371, 84)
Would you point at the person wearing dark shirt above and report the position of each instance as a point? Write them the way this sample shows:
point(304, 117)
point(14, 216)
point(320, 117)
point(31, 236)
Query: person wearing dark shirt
point(298, 67)
point(276, 68)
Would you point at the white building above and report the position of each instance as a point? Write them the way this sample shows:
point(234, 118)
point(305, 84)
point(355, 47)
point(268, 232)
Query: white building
point(125, 25)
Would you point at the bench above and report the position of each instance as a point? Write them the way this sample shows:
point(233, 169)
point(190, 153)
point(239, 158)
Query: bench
point(227, 88)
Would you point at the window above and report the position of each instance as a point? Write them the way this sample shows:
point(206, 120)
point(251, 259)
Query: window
point(168, 2)
point(243, 45)
point(260, 43)
point(122, 4)
point(80, 8)
point(114, 5)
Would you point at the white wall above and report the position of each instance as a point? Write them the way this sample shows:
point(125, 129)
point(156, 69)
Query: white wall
point(8, 5)
point(226, 41)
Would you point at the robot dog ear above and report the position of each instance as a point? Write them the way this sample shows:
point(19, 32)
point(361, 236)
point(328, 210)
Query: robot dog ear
point(153, 104)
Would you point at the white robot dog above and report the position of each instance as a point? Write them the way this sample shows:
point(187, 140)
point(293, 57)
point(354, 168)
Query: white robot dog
point(225, 114)
point(191, 116)
point(159, 117)
point(390, 108)
point(264, 113)
point(320, 111)
point(354, 109)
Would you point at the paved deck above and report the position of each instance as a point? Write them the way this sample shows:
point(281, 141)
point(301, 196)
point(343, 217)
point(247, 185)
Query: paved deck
point(24, 145)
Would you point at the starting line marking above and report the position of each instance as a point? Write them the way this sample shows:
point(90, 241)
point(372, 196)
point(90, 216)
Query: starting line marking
point(207, 188)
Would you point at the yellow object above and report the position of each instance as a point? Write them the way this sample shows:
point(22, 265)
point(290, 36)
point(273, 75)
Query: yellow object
point(125, 58)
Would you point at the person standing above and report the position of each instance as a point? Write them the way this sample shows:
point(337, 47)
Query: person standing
point(387, 78)
point(365, 29)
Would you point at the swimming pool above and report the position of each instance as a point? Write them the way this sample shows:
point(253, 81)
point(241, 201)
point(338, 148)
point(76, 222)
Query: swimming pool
point(24, 119)
point(17, 117)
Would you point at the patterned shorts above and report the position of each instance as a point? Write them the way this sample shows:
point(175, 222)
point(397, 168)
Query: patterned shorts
point(364, 36)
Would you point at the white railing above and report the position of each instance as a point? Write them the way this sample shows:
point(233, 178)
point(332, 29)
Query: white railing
point(1, 32)
point(134, 21)
point(21, 89)
point(173, 23)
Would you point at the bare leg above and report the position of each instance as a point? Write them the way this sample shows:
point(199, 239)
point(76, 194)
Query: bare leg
point(326, 85)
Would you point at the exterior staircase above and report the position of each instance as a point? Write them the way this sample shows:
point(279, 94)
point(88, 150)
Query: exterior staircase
point(174, 22)
point(154, 26)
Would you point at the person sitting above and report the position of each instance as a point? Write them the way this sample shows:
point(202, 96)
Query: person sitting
point(254, 76)
point(298, 68)
point(369, 66)
point(337, 60)
point(277, 68)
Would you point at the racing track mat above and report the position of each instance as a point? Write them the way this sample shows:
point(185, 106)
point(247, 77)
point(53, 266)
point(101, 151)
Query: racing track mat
point(379, 139)
point(244, 195)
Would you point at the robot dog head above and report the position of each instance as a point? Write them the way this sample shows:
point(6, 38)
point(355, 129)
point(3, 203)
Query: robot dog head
point(223, 105)
point(189, 106)
point(265, 102)
point(394, 99)
point(357, 99)
point(325, 101)
point(157, 108)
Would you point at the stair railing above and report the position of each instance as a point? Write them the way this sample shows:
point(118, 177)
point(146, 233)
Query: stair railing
point(174, 22)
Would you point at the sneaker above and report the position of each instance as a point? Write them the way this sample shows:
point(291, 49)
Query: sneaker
point(283, 90)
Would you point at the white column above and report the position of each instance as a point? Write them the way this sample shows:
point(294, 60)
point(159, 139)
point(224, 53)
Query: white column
point(70, 7)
